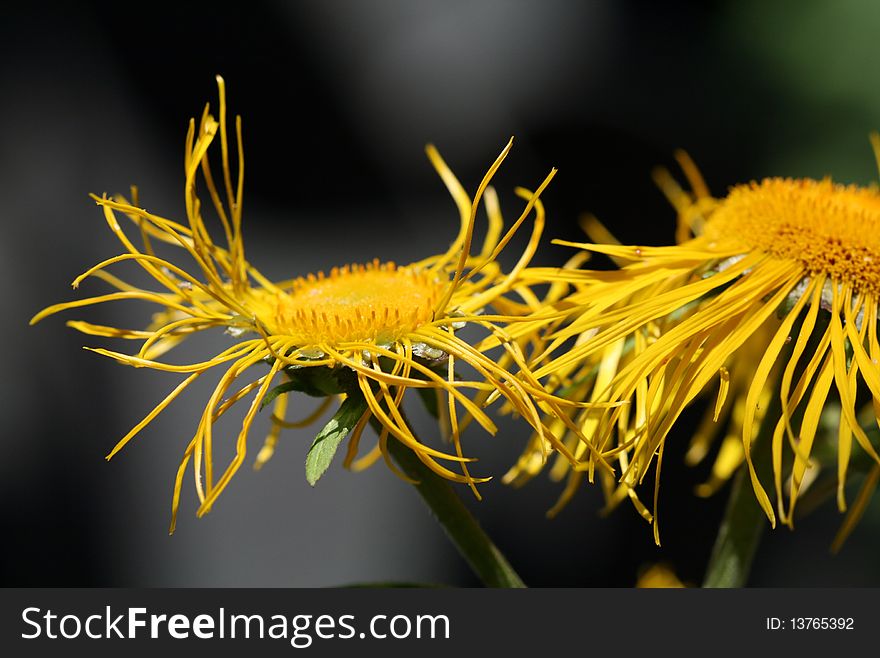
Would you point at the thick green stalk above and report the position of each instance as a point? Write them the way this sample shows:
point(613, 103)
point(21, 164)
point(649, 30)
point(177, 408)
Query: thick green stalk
point(738, 537)
point(744, 520)
point(460, 525)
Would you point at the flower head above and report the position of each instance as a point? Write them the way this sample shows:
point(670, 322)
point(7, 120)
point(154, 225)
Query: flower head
point(770, 298)
point(364, 333)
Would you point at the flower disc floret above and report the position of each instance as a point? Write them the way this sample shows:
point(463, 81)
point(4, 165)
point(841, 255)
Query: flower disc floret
point(377, 302)
point(832, 229)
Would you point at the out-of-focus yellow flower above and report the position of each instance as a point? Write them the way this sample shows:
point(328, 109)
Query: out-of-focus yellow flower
point(770, 298)
point(363, 333)
point(659, 576)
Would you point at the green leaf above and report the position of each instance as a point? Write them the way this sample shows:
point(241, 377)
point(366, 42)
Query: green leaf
point(325, 444)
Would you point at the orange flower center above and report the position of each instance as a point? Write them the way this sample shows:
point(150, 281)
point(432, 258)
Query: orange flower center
point(832, 229)
point(376, 303)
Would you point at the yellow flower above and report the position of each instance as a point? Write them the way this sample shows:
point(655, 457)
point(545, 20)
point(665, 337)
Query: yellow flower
point(773, 300)
point(659, 576)
point(364, 334)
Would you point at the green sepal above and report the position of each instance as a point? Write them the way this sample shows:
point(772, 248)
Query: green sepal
point(281, 389)
point(337, 428)
point(318, 382)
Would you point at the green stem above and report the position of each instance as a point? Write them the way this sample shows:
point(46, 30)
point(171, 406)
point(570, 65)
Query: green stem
point(738, 537)
point(744, 520)
point(460, 525)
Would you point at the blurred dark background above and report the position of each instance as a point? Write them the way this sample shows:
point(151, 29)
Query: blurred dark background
point(338, 100)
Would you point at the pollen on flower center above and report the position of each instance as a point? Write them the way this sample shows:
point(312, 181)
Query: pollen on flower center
point(832, 229)
point(377, 303)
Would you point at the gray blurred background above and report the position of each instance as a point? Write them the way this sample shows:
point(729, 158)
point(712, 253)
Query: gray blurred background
point(338, 100)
